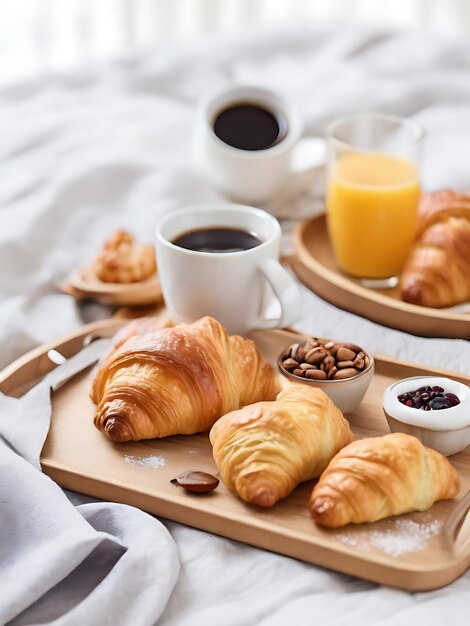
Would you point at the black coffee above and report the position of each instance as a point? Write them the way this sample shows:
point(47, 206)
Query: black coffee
point(249, 126)
point(217, 240)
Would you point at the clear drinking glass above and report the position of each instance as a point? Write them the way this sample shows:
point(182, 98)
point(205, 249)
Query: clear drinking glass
point(372, 194)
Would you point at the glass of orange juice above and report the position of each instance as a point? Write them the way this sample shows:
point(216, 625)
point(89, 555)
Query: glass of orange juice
point(372, 194)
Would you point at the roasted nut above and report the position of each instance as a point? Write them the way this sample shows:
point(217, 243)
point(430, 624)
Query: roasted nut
point(198, 482)
point(290, 364)
point(299, 372)
point(348, 372)
point(300, 353)
point(316, 375)
point(332, 372)
point(307, 366)
point(316, 355)
point(293, 350)
point(327, 363)
point(329, 345)
point(359, 361)
point(345, 354)
point(342, 364)
point(351, 346)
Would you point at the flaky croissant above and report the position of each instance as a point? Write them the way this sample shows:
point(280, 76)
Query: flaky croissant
point(437, 274)
point(265, 450)
point(177, 380)
point(378, 477)
point(121, 260)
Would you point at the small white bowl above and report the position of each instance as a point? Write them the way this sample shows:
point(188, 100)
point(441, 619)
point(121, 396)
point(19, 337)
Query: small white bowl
point(445, 430)
point(346, 393)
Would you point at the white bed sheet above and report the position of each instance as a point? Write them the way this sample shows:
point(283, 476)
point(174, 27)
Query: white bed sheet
point(109, 147)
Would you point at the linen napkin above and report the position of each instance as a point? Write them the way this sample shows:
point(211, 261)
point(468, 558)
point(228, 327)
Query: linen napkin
point(97, 563)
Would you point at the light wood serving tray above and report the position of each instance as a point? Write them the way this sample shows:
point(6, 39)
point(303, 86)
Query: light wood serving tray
point(80, 458)
point(315, 265)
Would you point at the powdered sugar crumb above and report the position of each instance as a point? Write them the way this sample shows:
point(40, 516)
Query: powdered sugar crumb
point(151, 461)
point(402, 537)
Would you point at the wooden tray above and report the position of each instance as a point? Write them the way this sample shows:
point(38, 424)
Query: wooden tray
point(315, 265)
point(84, 284)
point(79, 457)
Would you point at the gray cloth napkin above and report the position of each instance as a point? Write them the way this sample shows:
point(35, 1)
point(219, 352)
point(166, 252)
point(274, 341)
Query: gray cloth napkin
point(98, 563)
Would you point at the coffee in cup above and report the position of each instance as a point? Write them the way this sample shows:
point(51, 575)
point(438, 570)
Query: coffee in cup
point(249, 125)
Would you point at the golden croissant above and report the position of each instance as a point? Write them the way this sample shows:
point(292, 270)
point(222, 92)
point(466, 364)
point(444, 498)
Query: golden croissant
point(265, 450)
point(121, 260)
point(378, 477)
point(177, 380)
point(437, 273)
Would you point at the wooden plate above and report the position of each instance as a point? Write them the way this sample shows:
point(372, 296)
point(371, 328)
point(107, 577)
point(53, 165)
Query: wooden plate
point(315, 265)
point(84, 284)
point(79, 457)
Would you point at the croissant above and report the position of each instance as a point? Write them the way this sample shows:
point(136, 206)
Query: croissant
point(381, 476)
point(122, 261)
point(437, 274)
point(177, 380)
point(265, 450)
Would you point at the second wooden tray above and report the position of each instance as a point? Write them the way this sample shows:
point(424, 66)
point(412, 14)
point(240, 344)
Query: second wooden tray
point(411, 551)
point(315, 265)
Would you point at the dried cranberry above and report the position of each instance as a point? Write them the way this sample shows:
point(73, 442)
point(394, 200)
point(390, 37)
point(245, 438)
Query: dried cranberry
point(452, 399)
point(437, 388)
point(417, 402)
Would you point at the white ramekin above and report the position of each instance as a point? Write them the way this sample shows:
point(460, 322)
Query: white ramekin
point(446, 430)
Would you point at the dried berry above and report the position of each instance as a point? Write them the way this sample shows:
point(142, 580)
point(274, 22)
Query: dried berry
point(439, 403)
point(452, 399)
point(429, 399)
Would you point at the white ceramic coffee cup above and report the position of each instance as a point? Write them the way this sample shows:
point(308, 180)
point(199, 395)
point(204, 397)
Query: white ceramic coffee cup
point(229, 286)
point(253, 176)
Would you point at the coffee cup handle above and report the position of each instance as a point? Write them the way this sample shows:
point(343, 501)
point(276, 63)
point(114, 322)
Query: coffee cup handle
point(285, 290)
point(308, 160)
point(309, 153)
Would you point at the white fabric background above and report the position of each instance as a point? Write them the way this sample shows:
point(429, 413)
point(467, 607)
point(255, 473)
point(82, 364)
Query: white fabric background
point(109, 147)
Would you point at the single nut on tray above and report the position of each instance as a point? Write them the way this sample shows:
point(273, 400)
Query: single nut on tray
point(197, 482)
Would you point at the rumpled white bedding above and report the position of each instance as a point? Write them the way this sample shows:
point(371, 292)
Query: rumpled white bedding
point(108, 148)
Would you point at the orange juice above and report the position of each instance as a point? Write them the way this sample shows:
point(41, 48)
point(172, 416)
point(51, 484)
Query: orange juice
point(372, 205)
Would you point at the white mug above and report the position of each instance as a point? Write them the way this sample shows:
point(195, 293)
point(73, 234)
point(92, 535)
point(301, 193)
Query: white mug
point(229, 286)
point(253, 176)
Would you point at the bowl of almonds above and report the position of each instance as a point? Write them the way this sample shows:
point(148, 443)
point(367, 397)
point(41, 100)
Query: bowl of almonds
point(341, 369)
